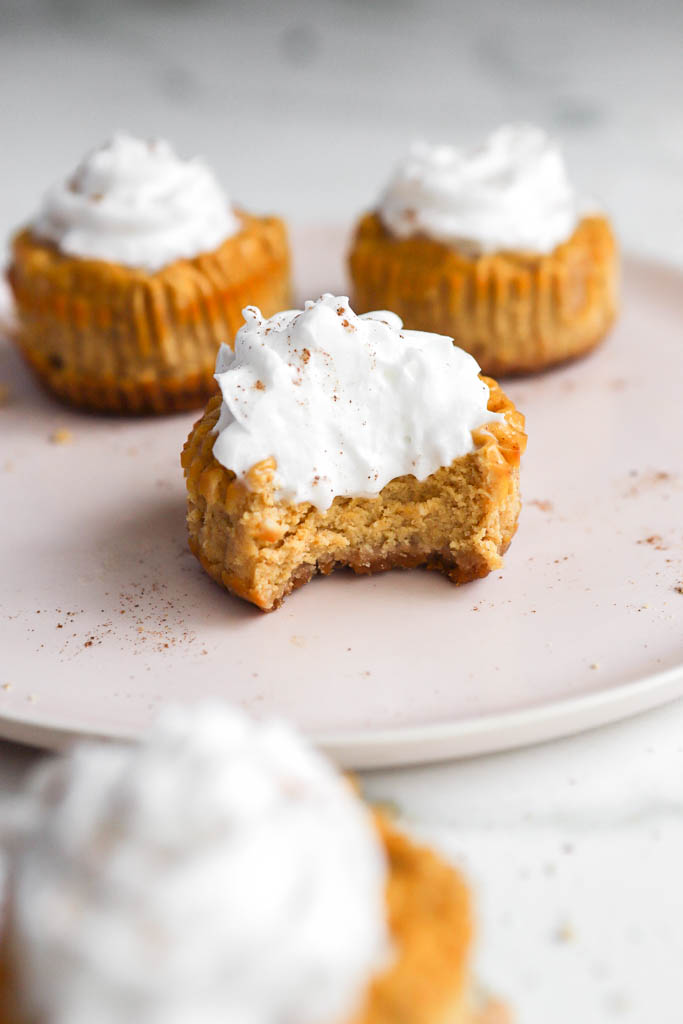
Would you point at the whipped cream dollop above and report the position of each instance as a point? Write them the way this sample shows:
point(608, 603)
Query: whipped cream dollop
point(512, 192)
point(344, 403)
point(133, 201)
point(222, 871)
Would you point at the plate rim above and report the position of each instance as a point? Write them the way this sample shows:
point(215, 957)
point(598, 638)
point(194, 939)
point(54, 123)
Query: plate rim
point(496, 733)
point(424, 744)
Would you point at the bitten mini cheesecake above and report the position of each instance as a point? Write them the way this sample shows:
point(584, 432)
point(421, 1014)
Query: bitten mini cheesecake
point(494, 247)
point(347, 441)
point(220, 872)
point(133, 273)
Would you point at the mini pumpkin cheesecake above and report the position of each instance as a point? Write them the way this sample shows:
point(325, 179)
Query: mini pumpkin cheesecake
point(347, 441)
point(494, 247)
point(222, 870)
point(133, 273)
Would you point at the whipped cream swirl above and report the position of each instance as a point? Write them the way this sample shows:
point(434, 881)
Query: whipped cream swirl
point(136, 203)
point(222, 871)
point(344, 403)
point(512, 192)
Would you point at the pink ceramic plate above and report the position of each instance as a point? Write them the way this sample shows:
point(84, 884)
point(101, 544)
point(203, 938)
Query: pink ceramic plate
point(105, 616)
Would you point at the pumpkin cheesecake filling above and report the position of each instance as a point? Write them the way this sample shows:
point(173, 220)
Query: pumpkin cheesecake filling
point(424, 470)
point(493, 246)
point(131, 275)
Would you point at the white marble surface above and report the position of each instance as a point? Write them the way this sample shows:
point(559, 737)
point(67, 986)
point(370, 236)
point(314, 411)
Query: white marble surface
point(575, 847)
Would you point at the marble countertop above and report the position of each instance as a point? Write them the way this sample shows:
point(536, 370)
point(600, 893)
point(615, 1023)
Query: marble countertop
point(303, 107)
point(574, 848)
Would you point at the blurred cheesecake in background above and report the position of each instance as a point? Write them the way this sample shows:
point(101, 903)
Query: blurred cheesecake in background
point(222, 871)
point(494, 247)
point(346, 441)
point(132, 274)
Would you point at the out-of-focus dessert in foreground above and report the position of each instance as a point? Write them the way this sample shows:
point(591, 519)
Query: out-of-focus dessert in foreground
point(133, 272)
point(223, 871)
point(346, 441)
point(493, 246)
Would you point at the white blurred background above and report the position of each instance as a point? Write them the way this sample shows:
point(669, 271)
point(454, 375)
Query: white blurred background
point(303, 107)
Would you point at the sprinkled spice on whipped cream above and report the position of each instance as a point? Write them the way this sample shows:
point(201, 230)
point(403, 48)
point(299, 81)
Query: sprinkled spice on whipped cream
point(344, 403)
point(135, 202)
point(511, 192)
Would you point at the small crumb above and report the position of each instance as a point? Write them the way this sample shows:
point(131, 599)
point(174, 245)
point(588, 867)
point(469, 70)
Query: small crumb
point(7, 687)
point(545, 506)
point(31, 698)
point(564, 933)
point(260, 386)
point(595, 665)
point(61, 436)
point(654, 540)
point(298, 641)
point(388, 807)
point(617, 1003)
point(679, 588)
